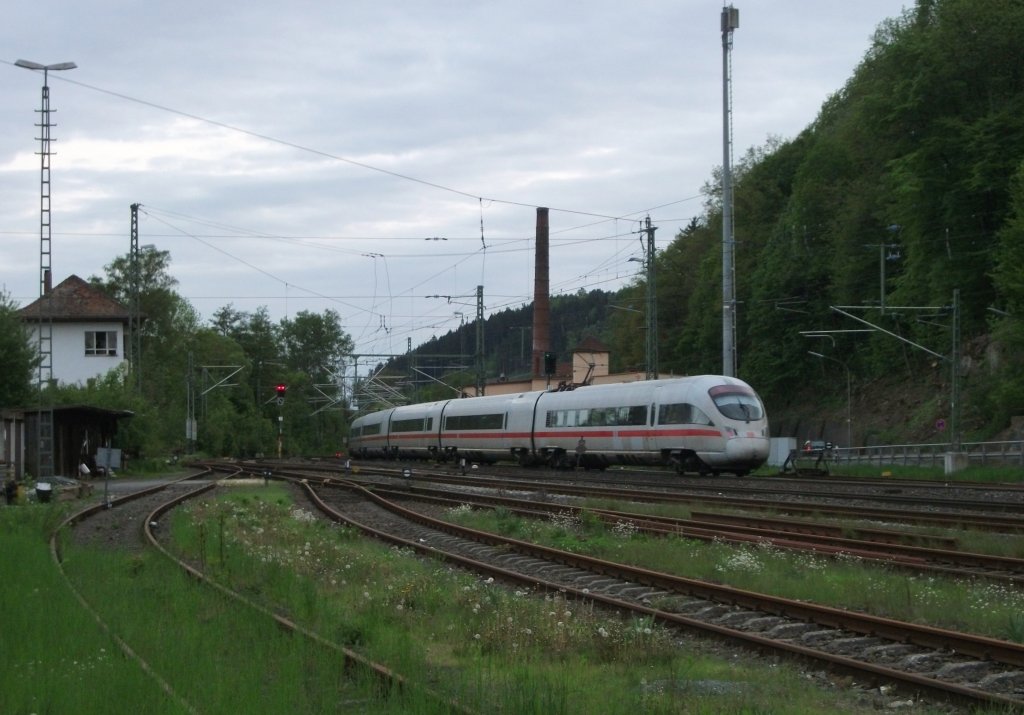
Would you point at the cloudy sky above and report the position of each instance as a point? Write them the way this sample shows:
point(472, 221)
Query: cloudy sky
point(366, 156)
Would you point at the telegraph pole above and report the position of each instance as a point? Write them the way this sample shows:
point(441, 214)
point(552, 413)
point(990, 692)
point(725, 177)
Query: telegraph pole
point(954, 377)
point(135, 319)
point(479, 341)
point(652, 303)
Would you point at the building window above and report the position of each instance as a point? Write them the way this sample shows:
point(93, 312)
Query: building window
point(101, 342)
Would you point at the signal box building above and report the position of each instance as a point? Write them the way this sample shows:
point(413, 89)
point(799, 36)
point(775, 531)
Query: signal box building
point(89, 329)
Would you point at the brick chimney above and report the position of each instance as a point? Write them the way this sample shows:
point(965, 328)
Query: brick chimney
point(541, 299)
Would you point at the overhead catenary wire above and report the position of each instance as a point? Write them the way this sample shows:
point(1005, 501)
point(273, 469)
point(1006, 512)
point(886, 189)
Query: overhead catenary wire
point(320, 152)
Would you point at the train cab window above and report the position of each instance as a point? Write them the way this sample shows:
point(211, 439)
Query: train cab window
point(682, 413)
point(737, 403)
point(430, 424)
point(371, 429)
point(355, 432)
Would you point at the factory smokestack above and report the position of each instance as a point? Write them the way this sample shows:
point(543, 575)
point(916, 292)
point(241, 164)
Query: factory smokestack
point(541, 300)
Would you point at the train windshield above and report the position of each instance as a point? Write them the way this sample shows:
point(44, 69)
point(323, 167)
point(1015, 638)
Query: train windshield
point(737, 402)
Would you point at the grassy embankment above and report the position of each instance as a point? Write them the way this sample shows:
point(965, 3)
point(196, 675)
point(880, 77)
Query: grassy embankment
point(496, 650)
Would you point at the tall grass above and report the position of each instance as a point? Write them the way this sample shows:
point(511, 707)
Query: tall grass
point(495, 649)
point(975, 606)
point(986, 474)
point(219, 657)
point(54, 658)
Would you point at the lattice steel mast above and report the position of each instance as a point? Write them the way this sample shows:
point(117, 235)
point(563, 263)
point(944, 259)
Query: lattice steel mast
point(44, 374)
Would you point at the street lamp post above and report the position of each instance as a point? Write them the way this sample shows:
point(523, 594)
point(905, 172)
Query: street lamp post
point(849, 401)
point(44, 373)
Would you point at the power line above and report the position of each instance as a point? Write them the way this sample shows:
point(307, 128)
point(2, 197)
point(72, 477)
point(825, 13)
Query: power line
point(329, 155)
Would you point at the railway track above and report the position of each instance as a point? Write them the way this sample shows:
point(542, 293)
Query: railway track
point(922, 494)
point(997, 508)
point(943, 663)
point(872, 545)
point(139, 514)
point(929, 555)
point(991, 515)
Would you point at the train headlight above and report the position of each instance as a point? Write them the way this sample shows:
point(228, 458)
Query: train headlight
point(730, 431)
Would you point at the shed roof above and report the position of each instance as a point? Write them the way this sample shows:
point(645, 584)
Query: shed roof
point(74, 299)
point(80, 409)
point(591, 344)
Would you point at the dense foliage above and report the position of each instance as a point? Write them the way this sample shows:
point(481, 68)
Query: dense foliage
point(17, 357)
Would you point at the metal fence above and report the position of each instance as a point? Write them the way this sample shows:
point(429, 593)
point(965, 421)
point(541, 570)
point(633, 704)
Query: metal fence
point(993, 454)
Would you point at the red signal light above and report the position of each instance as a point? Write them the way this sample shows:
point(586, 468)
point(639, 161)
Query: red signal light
point(281, 389)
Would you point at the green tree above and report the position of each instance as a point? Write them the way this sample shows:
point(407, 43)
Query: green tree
point(315, 343)
point(18, 358)
point(169, 327)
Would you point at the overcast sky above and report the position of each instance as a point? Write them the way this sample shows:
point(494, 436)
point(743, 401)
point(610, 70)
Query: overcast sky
point(360, 155)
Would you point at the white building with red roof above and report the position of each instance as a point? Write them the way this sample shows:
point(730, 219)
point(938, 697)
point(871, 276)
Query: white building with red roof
point(89, 329)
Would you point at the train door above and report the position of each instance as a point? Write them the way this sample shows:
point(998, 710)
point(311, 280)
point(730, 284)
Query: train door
point(669, 422)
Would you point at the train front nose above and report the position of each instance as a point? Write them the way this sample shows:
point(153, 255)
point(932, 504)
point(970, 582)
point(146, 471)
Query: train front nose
point(752, 451)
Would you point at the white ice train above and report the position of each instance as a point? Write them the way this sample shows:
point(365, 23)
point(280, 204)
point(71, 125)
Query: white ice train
point(706, 424)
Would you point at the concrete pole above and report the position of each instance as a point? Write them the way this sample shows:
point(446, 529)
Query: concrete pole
point(730, 21)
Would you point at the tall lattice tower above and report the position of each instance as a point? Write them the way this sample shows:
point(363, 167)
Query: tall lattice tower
point(44, 434)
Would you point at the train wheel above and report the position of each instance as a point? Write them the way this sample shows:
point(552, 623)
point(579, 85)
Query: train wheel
point(690, 462)
point(557, 459)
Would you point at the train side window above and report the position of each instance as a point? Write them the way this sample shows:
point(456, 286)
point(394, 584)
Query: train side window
point(636, 416)
point(674, 414)
point(682, 413)
point(413, 425)
point(471, 422)
point(559, 418)
point(699, 418)
point(430, 424)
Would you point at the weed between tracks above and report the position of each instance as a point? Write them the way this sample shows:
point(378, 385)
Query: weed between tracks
point(493, 649)
point(53, 658)
point(981, 607)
